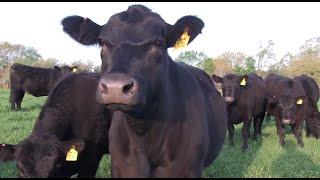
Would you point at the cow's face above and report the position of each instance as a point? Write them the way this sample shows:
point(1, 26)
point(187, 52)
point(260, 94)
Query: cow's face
point(231, 86)
point(289, 106)
point(135, 61)
point(42, 158)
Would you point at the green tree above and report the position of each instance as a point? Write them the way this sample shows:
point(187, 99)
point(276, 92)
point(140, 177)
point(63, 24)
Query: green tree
point(192, 58)
point(249, 67)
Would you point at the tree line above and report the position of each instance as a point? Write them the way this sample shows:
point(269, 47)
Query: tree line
point(306, 61)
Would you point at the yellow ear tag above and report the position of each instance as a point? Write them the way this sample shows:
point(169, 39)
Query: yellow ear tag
point(183, 40)
point(72, 154)
point(299, 101)
point(243, 82)
point(74, 70)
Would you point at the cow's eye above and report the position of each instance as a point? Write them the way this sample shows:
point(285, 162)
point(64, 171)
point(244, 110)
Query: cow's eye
point(159, 43)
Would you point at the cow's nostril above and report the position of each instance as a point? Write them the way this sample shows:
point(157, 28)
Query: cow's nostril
point(103, 87)
point(126, 88)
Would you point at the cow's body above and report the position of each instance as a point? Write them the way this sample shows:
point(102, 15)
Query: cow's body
point(170, 121)
point(36, 81)
point(70, 116)
point(312, 114)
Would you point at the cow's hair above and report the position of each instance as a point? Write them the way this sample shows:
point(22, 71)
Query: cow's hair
point(290, 83)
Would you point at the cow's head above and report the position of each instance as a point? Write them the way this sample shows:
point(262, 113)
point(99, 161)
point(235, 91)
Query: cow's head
point(135, 61)
point(42, 157)
point(314, 124)
point(290, 100)
point(288, 106)
point(231, 86)
point(65, 70)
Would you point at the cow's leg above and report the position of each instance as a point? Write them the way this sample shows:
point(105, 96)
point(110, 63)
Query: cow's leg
point(255, 127)
point(268, 115)
point(297, 131)
point(280, 130)
point(19, 99)
point(13, 95)
point(230, 132)
point(308, 132)
point(90, 162)
point(260, 121)
point(245, 131)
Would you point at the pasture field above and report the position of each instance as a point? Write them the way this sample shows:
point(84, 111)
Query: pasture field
point(264, 158)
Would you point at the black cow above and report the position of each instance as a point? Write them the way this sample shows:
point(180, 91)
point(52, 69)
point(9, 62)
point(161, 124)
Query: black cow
point(246, 99)
point(70, 117)
point(36, 81)
point(312, 116)
point(289, 107)
point(170, 121)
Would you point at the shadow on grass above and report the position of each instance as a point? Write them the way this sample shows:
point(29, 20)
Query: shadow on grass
point(293, 163)
point(232, 162)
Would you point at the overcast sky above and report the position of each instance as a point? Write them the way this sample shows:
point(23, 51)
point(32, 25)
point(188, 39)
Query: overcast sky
point(229, 26)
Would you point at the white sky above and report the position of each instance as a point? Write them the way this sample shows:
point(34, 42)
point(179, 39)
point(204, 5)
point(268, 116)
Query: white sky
point(229, 26)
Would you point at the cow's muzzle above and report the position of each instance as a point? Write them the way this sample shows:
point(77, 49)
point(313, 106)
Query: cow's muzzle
point(228, 98)
point(117, 88)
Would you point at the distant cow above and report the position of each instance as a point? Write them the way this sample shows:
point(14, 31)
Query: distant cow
point(170, 119)
point(246, 99)
point(36, 81)
point(70, 118)
point(312, 114)
point(289, 107)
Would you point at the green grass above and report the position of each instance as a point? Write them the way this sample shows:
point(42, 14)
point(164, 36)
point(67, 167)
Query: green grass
point(264, 158)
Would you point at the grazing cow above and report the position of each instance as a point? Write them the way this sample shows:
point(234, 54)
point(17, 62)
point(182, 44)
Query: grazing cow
point(312, 116)
point(170, 121)
point(246, 99)
point(289, 99)
point(270, 81)
point(36, 81)
point(70, 118)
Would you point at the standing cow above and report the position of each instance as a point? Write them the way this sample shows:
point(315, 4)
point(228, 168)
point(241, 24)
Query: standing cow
point(170, 121)
point(246, 99)
point(36, 81)
point(69, 136)
point(312, 116)
point(289, 107)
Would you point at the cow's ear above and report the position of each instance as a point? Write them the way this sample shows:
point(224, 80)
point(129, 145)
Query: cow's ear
point(7, 152)
point(300, 100)
point(216, 78)
point(74, 68)
point(83, 30)
point(72, 148)
point(244, 80)
point(183, 31)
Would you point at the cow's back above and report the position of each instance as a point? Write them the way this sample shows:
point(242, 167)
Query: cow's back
point(216, 110)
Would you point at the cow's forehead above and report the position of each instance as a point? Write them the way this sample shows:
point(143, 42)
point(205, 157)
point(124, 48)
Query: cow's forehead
point(133, 26)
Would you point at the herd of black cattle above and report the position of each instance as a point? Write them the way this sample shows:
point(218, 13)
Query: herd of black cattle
point(155, 117)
